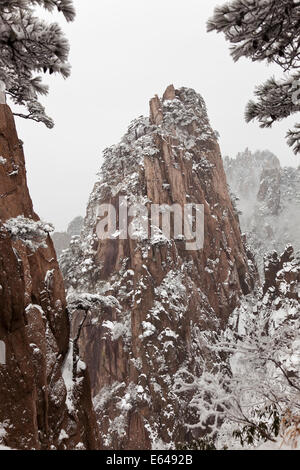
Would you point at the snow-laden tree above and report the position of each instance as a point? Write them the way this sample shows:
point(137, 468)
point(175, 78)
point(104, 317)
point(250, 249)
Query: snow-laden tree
point(30, 46)
point(33, 233)
point(262, 388)
point(80, 307)
point(266, 31)
point(254, 394)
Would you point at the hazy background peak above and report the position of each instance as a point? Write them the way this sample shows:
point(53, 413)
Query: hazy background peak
point(123, 52)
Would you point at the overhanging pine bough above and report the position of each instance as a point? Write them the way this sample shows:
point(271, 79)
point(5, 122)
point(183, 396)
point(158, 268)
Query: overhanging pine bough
point(29, 46)
point(266, 30)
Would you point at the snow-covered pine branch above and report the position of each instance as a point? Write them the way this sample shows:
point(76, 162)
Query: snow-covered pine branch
point(266, 31)
point(261, 30)
point(293, 138)
point(32, 233)
point(85, 301)
point(275, 101)
point(30, 46)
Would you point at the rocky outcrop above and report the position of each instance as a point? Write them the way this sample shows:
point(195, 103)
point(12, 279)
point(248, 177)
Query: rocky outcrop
point(41, 406)
point(269, 201)
point(244, 172)
point(151, 307)
point(62, 240)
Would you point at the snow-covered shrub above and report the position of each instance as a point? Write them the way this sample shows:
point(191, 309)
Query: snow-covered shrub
point(32, 233)
point(254, 395)
point(86, 301)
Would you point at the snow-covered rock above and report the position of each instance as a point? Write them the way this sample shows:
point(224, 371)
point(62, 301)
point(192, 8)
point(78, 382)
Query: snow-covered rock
point(165, 296)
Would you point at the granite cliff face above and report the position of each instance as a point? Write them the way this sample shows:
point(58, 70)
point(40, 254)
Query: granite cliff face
point(147, 308)
point(41, 406)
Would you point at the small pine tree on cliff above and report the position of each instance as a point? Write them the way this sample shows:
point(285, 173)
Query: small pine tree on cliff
point(266, 31)
point(29, 46)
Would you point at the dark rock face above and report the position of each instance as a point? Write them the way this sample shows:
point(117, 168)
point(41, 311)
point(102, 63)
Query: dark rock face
point(159, 304)
point(39, 407)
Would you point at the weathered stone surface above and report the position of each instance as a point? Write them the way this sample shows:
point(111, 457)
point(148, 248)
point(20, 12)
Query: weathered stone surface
point(166, 303)
point(34, 325)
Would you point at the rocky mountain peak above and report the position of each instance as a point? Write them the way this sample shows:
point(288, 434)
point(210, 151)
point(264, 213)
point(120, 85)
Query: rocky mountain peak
point(147, 306)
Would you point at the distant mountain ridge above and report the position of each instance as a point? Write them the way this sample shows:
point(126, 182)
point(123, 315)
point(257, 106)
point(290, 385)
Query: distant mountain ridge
point(269, 200)
point(62, 240)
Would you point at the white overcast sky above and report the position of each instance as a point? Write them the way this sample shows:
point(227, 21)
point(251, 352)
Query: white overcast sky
point(123, 52)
